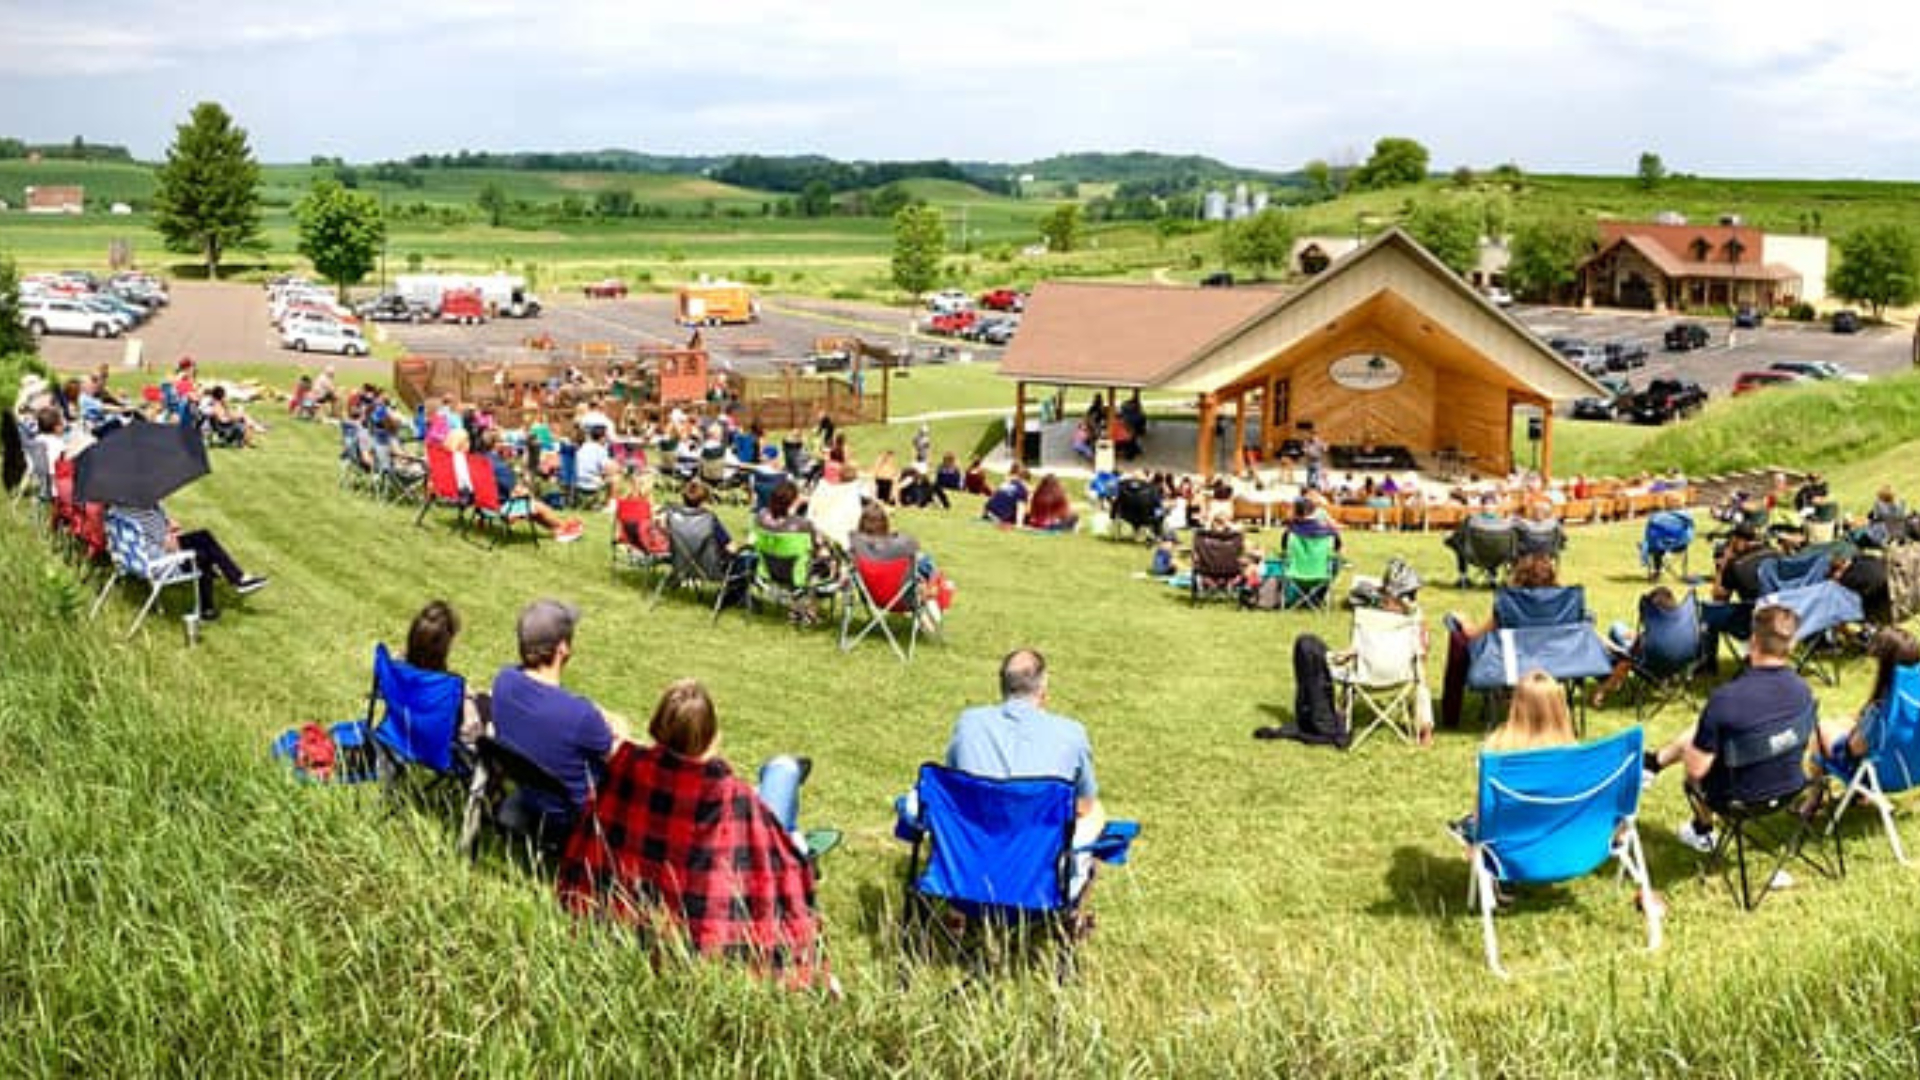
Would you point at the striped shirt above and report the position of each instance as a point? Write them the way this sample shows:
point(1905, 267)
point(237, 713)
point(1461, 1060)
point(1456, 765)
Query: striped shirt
point(153, 525)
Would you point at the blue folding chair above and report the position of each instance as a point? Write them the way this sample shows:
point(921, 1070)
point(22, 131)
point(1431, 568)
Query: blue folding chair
point(1823, 607)
point(1545, 628)
point(421, 722)
point(1668, 533)
point(1551, 815)
point(1667, 653)
point(1892, 763)
point(1000, 852)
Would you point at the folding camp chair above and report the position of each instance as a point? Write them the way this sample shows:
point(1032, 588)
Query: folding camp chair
point(1802, 803)
point(1382, 670)
point(499, 772)
point(1667, 653)
point(1824, 608)
point(1668, 533)
point(1000, 853)
point(695, 557)
point(1137, 505)
point(397, 477)
point(1554, 814)
point(1307, 573)
point(418, 725)
point(639, 543)
point(1892, 762)
point(728, 484)
point(492, 509)
point(443, 487)
point(784, 573)
point(1217, 570)
point(1488, 545)
point(1545, 628)
point(886, 588)
point(127, 546)
point(39, 475)
point(356, 467)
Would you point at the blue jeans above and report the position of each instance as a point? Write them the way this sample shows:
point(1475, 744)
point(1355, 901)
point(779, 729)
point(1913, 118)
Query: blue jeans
point(779, 788)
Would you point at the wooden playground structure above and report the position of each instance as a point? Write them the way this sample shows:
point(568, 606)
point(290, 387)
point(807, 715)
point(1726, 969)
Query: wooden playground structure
point(540, 380)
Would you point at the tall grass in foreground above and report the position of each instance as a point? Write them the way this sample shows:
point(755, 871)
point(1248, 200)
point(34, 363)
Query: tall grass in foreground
point(171, 903)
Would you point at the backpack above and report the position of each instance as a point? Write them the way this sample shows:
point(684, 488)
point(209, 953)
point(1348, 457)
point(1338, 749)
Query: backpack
point(1269, 595)
point(314, 752)
point(1316, 719)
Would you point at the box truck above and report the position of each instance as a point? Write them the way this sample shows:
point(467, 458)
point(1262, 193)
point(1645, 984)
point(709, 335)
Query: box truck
point(712, 303)
point(504, 295)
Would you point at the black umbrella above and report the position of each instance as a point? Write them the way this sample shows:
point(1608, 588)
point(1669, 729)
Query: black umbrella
point(139, 464)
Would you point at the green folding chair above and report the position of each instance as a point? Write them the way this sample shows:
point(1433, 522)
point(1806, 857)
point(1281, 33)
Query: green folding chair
point(1308, 573)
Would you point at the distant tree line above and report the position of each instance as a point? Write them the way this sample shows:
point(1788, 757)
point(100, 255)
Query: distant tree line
point(565, 161)
point(795, 175)
point(77, 150)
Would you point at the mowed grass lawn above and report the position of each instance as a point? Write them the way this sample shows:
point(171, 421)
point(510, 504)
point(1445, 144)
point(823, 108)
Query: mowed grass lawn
point(170, 901)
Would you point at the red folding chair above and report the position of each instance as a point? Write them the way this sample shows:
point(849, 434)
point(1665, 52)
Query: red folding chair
point(639, 543)
point(443, 486)
point(489, 509)
point(887, 587)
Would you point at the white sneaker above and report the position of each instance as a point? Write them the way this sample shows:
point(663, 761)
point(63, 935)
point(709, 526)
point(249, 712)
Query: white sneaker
point(1781, 880)
point(1700, 840)
point(1647, 777)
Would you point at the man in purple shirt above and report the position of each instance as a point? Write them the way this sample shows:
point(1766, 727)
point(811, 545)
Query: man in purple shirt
point(564, 734)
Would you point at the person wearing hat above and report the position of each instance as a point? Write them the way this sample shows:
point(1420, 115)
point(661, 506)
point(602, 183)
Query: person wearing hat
point(1738, 575)
point(563, 733)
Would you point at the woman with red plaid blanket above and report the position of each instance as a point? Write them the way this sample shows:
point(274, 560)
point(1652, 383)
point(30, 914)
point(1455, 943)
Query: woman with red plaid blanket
point(676, 846)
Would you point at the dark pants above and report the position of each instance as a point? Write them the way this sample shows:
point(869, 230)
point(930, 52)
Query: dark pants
point(209, 556)
point(1453, 687)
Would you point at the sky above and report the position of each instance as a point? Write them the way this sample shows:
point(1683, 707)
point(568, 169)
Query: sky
point(1716, 87)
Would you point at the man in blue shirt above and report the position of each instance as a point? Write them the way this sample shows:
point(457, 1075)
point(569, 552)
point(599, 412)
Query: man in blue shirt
point(1768, 701)
point(564, 734)
point(1020, 738)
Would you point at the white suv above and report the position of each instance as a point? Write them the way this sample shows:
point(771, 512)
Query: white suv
point(314, 337)
point(47, 314)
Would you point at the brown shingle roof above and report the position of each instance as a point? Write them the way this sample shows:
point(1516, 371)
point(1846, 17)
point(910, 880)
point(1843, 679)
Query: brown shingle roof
point(1092, 334)
point(1665, 261)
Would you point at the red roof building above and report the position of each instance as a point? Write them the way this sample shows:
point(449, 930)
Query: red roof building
point(1677, 267)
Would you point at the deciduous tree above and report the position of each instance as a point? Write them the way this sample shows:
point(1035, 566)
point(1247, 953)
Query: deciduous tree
point(492, 201)
point(1877, 265)
point(340, 231)
point(1652, 171)
point(15, 339)
point(206, 197)
point(919, 242)
point(1061, 227)
point(1546, 254)
point(1395, 162)
point(1260, 242)
point(1449, 229)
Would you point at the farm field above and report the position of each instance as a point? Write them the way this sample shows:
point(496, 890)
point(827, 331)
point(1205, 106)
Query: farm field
point(176, 902)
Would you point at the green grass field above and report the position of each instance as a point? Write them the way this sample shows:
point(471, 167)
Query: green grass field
point(170, 901)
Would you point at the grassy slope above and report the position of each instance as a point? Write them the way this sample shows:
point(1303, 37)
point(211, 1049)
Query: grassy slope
point(173, 903)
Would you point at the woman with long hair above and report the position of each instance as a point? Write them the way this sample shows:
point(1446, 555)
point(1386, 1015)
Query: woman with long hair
point(1050, 510)
point(1538, 716)
point(1842, 745)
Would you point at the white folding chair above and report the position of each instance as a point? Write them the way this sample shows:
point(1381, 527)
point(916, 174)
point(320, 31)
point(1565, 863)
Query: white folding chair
point(128, 548)
point(1382, 671)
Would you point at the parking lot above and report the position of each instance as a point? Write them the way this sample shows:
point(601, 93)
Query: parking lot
point(787, 330)
point(1872, 351)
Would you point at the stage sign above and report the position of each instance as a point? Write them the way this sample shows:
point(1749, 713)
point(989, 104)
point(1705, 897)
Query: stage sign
point(1366, 371)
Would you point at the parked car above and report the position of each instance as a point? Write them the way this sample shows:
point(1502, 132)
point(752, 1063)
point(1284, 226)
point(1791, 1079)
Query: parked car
point(949, 302)
point(1822, 370)
point(1686, 336)
point(1667, 399)
point(952, 324)
point(1220, 279)
point(1749, 381)
point(1748, 317)
point(1588, 358)
point(1609, 407)
point(392, 307)
point(52, 314)
point(611, 288)
point(1003, 300)
point(999, 331)
point(314, 337)
point(1846, 321)
point(1498, 296)
point(1625, 355)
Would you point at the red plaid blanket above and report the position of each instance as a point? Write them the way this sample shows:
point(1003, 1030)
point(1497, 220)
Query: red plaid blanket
point(677, 847)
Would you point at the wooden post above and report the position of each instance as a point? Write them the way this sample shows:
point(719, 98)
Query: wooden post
point(1019, 421)
point(1546, 442)
point(1239, 432)
point(1204, 466)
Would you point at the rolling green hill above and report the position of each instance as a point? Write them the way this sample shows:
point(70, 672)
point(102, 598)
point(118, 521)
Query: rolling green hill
point(106, 182)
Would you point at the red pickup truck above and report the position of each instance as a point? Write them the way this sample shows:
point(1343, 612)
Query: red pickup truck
point(953, 324)
point(1003, 300)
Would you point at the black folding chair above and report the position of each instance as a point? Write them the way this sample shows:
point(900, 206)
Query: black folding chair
point(1781, 821)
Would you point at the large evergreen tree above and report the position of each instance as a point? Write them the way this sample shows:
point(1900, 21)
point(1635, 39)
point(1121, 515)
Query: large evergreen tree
point(206, 198)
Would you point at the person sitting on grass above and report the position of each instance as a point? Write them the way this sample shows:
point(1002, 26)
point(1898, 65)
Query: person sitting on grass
point(160, 536)
point(568, 736)
point(516, 499)
point(429, 642)
point(1843, 746)
point(680, 836)
point(974, 480)
point(1767, 699)
point(948, 476)
point(1537, 718)
point(229, 421)
point(1050, 510)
